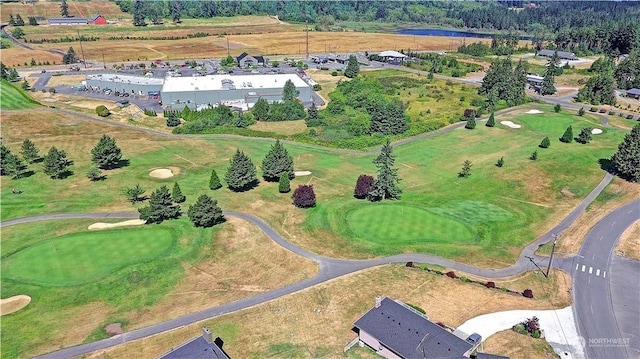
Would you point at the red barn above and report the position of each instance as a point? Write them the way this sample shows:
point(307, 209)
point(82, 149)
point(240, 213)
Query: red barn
point(97, 19)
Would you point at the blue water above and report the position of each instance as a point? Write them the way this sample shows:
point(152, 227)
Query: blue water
point(449, 33)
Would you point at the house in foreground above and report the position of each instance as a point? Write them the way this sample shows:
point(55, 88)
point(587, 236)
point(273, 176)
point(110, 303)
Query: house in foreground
point(203, 347)
point(396, 331)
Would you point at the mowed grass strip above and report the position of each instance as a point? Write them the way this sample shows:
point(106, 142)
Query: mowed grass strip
point(84, 257)
point(12, 98)
point(397, 223)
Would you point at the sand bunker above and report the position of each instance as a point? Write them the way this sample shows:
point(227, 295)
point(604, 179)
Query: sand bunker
point(302, 173)
point(596, 131)
point(510, 124)
point(533, 112)
point(14, 304)
point(132, 222)
point(161, 173)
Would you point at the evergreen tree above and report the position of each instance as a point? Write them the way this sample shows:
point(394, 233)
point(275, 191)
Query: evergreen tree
point(214, 181)
point(172, 120)
point(466, 169)
point(4, 156)
point(29, 151)
point(584, 136)
point(385, 186)
point(557, 108)
point(388, 118)
point(353, 68)
point(176, 194)
point(534, 156)
point(241, 173)
point(12, 21)
point(545, 143)
point(33, 21)
point(304, 196)
point(12, 165)
point(491, 122)
point(69, 57)
point(64, 8)
point(276, 162)
point(548, 87)
point(205, 212)
point(598, 90)
point(139, 13)
point(175, 9)
point(500, 162)
point(364, 185)
point(55, 163)
point(106, 154)
point(261, 110)
point(284, 185)
point(312, 112)
point(471, 123)
point(581, 111)
point(567, 136)
point(160, 207)
point(626, 161)
point(134, 194)
point(289, 92)
point(94, 174)
point(19, 21)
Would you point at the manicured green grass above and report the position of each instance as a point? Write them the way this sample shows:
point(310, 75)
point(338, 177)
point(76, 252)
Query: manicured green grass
point(13, 98)
point(401, 225)
point(86, 256)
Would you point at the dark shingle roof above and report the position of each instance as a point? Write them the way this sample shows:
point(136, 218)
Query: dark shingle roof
point(633, 91)
point(94, 17)
point(401, 329)
point(561, 54)
point(196, 348)
point(489, 356)
point(244, 54)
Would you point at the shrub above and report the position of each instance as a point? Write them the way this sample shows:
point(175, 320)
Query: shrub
point(52, 90)
point(490, 285)
point(102, 111)
point(317, 87)
point(417, 308)
point(465, 279)
point(500, 162)
point(304, 196)
point(284, 185)
point(556, 108)
point(527, 293)
point(364, 185)
point(545, 143)
point(629, 117)
point(409, 264)
point(611, 113)
point(172, 120)
point(334, 73)
point(581, 111)
point(593, 109)
point(451, 274)
point(602, 110)
point(469, 113)
point(519, 328)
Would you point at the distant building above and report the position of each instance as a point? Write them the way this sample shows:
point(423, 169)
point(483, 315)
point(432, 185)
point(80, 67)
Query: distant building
point(246, 60)
point(396, 331)
point(563, 55)
point(633, 93)
point(68, 21)
point(534, 80)
point(203, 346)
point(134, 85)
point(97, 19)
point(391, 56)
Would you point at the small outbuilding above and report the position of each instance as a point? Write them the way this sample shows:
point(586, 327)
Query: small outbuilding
point(97, 19)
point(563, 55)
point(246, 60)
point(633, 93)
point(391, 56)
point(68, 21)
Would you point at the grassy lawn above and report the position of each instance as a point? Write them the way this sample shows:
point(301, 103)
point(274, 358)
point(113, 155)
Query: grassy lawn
point(13, 98)
point(80, 257)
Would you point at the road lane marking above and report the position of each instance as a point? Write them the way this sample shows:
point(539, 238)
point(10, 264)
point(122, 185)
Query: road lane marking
point(583, 267)
point(593, 257)
point(597, 272)
point(591, 309)
point(577, 266)
point(612, 224)
point(590, 270)
point(604, 274)
point(601, 238)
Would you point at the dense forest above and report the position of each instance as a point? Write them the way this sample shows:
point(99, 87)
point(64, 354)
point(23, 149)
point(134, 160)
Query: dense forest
point(600, 27)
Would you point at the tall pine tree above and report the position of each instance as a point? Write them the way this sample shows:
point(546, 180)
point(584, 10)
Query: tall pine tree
point(214, 180)
point(567, 136)
point(160, 207)
point(241, 173)
point(205, 212)
point(64, 8)
point(139, 13)
point(353, 67)
point(385, 186)
point(277, 162)
point(55, 163)
point(29, 151)
point(106, 154)
point(626, 161)
point(176, 194)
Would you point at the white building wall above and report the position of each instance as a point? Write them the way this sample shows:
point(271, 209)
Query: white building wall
point(372, 342)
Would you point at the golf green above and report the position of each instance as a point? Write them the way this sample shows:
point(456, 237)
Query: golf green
point(85, 257)
point(391, 223)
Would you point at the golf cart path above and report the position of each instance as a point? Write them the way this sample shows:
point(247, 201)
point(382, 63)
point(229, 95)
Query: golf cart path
point(329, 268)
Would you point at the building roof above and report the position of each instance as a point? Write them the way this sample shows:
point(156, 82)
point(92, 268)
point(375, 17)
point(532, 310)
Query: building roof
point(633, 91)
point(391, 53)
point(229, 82)
point(196, 348)
point(561, 54)
point(94, 17)
point(126, 79)
point(61, 20)
point(489, 356)
point(408, 333)
point(244, 54)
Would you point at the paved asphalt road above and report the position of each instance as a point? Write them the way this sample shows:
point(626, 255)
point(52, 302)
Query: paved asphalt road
point(329, 268)
point(596, 282)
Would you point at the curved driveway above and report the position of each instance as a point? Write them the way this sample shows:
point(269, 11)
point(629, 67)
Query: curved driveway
point(329, 268)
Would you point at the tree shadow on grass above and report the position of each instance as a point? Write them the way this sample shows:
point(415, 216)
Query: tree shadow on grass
point(247, 187)
point(26, 174)
point(122, 163)
point(606, 164)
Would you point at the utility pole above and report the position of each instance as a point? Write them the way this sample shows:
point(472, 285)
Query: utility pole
point(104, 64)
point(307, 23)
point(553, 249)
point(82, 50)
point(536, 264)
point(228, 46)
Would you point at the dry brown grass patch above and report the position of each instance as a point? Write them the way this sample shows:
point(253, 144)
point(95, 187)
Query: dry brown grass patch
point(323, 316)
point(65, 80)
point(629, 244)
point(281, 127)
point(518, 346)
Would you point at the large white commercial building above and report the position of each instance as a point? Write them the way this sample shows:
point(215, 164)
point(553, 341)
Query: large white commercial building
point(203, 91)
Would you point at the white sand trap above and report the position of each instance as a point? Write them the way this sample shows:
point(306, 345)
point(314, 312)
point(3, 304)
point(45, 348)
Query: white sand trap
point(14, 304)
point(533, 112)
point(132, 222)
point(302, 173)
point(596, 131)
point(558, 325)
point(510, 124)
point(161, 173)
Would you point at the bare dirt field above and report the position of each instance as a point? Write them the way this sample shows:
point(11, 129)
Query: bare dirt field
point(14, 304)
point(52, 9)
point(320, 318)
point(629, 244)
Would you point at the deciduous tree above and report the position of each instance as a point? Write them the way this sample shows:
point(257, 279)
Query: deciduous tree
point(261, 110)
point(205, 212)
point(276, 162)
point(364, 185)
point(106, 154)
point(385, 186)
point(241, 173)
point(289, 92)
point(626, 161)
point(64, 8)
point(304, 196)
point(139, 13)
